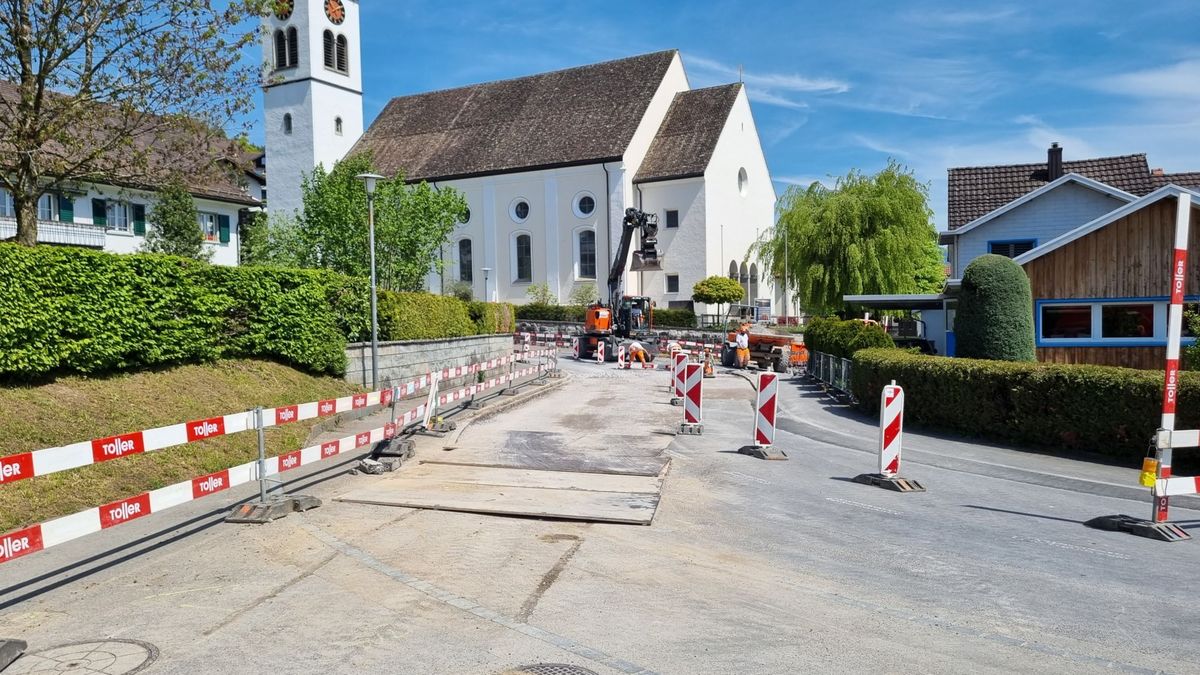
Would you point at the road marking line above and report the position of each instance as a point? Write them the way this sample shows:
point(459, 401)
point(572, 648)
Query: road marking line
point(756, 479)
point(1073, 547)
point(869, 507)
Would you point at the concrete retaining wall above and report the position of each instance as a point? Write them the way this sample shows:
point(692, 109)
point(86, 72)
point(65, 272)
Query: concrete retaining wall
point(402, 361)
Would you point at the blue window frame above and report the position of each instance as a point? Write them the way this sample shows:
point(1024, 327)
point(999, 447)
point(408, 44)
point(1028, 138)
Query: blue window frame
point(1104, 322)
point(1011, 248)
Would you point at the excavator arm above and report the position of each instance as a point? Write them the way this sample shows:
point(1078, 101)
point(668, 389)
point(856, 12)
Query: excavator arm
point(645, 258)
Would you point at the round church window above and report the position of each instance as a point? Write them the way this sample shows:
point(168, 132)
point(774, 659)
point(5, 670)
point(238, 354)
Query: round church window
point(519, 210)
point(585, 205)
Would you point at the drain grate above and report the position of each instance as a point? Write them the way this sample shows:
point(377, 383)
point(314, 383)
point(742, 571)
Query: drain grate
point(551, 669)
point(107, 657)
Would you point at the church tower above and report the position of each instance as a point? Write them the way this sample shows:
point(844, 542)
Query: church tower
point(312, 92)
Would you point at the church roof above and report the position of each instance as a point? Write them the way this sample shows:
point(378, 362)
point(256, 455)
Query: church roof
point(688, 135)
point(576, 116)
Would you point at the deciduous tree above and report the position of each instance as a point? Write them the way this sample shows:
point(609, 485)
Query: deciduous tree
point(866, 235)
point(717, 290)
point(116, 92)
point(174, 227)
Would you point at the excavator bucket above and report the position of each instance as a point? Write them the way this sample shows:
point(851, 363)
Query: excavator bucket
point(645, 261)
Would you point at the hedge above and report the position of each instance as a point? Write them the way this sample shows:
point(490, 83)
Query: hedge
point(1101, 409)
point(674, 318)
point(844, 338)
point(492, 317)
point(66, 310)
point(536, 311)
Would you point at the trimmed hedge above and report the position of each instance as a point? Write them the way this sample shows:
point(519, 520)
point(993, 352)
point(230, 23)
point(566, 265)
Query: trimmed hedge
point(995, 311)
point(535, 311)
point(844, 338)
point(422, 316)
point(1111, 411)
point(492, 317)
point(674, 318)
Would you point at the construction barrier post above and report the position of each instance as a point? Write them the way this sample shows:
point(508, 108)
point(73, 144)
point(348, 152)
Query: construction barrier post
point(575, 348)
point(621, 357)
point(679, 359)
point(891, 432)
point(264, 511)
point(765, 407)
point(262, 454)
point(693, 404)
point(600, 351)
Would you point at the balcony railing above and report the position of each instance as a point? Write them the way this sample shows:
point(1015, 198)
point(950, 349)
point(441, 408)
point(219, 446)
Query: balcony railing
point(54, 232)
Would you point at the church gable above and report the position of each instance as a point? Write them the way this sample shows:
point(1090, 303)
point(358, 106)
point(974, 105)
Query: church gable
point(685, 142)
point(575, 116)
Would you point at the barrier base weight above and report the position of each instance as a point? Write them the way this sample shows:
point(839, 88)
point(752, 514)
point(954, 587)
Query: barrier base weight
point(393, 447)
point(763, 452)
point(1139, 527)
point(265, 512)
point(692, 428)
point(10, 650)
point(676, 400)
point(555, 374)
point(895, 483)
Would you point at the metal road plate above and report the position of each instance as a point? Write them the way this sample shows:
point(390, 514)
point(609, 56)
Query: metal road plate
point(108, 657)
point(550, 669)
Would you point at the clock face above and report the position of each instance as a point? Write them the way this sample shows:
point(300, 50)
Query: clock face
point(283, 9)
point(336, 11)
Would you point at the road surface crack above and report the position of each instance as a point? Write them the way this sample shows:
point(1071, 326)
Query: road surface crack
point(547, 581)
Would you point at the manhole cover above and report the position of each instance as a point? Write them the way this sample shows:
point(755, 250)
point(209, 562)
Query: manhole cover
point(550, 669)
point(110, 657)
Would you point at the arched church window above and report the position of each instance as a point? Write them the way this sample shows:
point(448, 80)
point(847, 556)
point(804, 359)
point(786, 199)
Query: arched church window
point(342, 57)
point(293, 47)
point(329, 58)
point(287, 123)
point(280, 50)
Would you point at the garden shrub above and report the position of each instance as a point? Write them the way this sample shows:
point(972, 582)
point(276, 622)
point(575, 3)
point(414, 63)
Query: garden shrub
point(492, 317)
point(536, 311)
point(995, 311)
point(674, 318)
point(1102, 409)
point(422, 316)
point(843, 338)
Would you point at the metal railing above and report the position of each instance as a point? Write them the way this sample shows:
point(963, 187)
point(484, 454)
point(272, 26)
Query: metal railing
point(832, 371)
point(54, 232)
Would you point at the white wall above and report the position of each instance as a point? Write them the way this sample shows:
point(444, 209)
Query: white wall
point(734, 221)
point(683, 250)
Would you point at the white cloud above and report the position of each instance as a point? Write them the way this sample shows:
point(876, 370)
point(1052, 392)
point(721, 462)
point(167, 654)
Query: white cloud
point(771, 81)
point(803, 181)
point(1178, 81)
point(760, 96)
point(778, 134)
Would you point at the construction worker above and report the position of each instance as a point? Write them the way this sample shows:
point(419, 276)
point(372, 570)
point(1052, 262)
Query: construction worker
point(743, 347)
point(637, 351)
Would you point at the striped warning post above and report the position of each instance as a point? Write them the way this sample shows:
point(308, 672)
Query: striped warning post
point(600, 351)
point(693, 399)
point(621, 356)
point(575, 348)
point(891, 429)
point(891, 432)
point(679, 360)
point(764, 406)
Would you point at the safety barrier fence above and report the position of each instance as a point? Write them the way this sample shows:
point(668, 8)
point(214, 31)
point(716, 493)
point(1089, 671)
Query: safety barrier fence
point(832, 371)
point(34, 538)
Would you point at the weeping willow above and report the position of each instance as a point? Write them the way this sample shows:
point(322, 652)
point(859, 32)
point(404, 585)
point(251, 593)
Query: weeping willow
point(866, 235)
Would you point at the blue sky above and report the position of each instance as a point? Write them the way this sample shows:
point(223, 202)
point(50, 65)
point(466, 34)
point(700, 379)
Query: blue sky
point(841, 85)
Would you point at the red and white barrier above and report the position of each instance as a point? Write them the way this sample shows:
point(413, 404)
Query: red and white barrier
point(891, 428)
point(621, 357)
point(600, 351)
point(693, 399)
point(677, 373)
point(575, 348)
point(764, 407)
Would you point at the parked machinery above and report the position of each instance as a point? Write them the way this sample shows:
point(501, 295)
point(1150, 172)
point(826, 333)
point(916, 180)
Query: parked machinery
point(625, 316)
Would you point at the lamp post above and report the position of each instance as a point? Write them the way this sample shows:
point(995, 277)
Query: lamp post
point(368, 180)
point(486, 297)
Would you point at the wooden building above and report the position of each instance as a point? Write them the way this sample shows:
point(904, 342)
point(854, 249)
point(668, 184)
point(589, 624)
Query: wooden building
point(1101, 290)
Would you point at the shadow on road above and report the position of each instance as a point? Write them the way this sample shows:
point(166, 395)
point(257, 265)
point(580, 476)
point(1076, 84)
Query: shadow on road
point(1022, 513)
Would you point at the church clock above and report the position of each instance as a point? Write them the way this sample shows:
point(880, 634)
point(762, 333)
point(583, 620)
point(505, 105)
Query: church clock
point(336, 11)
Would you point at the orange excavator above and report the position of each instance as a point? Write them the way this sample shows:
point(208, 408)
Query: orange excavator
point(624, 316)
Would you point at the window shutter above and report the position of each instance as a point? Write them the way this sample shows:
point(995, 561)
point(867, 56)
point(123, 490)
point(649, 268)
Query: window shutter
point(139, 219)
point(66, 209)
point(223, 228)
point(99, 212)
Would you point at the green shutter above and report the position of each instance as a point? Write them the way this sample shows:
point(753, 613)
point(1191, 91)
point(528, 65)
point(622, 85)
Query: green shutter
point(223, 228)
point(99, 212)
point(139, 219)
point(66, 209)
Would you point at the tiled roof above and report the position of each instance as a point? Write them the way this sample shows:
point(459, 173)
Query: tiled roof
point(211, 165)
point(574, 116)
point(1189, 179)
point(976, 191)
point(688, 134)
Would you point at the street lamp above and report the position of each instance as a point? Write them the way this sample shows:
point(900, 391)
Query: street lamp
point(486, 297)
point(368, 180)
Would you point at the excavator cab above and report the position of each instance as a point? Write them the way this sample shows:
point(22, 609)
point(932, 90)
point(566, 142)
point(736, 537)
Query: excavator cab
point(598, 319)
point(634, 316)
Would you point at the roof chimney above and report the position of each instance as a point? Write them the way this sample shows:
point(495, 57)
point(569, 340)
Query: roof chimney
point(1054, 168)
point(1156, 172)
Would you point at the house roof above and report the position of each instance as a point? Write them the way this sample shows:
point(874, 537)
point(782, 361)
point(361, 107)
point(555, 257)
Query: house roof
point(947, 237)
point(1190, 179)
point(574, 116)
point(976, 191)
point(210, 164)
point(1106, 219)
point(685, 142)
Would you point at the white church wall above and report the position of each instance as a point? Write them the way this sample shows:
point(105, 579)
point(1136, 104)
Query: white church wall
point(682, 249)
point(737, 216)
point(288, 154)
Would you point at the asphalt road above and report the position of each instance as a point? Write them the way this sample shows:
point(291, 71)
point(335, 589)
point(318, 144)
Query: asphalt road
point(749, 567)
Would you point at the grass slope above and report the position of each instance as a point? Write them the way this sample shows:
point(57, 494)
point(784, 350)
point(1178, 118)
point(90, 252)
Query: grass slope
point(74, 409)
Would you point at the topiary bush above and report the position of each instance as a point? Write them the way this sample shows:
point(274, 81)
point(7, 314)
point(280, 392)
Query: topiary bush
point(1111, 411)
point(422, 316)
point(995, 311)
point(843, 338)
